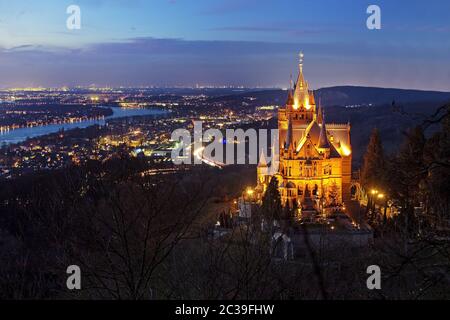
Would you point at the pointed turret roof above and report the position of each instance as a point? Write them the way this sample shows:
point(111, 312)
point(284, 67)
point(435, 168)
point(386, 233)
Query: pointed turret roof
point(323, 139)
point(290, 99)
point(320, 112)
point(262, 160)
point(301, 86)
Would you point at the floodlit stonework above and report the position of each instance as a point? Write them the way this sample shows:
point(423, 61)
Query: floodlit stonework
point(315, 156)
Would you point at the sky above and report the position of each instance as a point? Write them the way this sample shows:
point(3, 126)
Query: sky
point(225, 42)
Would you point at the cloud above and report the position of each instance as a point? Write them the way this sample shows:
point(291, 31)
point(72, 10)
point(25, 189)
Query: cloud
point(106, 3)
point(178, 46)
point(267, 28)
point(171, 61)
point(229, 7)
point(20, 48)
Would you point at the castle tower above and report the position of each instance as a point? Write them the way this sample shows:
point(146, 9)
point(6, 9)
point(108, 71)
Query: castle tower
point(315, 156)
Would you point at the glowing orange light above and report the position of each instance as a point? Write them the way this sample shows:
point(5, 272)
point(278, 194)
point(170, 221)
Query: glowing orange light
point(345, 150)
point(307, 106)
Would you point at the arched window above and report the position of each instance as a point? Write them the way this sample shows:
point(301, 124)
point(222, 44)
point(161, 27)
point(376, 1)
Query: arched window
point(316, 188)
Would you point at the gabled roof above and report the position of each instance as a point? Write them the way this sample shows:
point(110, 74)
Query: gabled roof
point(313, 131)
point(313, 135)
point(333, 152)
point(308, 141)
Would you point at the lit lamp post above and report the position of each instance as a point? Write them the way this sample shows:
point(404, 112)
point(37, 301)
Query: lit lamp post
point(249, 195)
point(376, 195)
point(383, 198)
point(373, 192)
point(248, 199)
point(380, 197)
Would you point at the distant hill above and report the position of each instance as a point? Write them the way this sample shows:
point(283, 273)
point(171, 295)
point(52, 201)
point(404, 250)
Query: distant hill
point(352, 95)
point(391, 122)
point(348, 96)
point(365, 108)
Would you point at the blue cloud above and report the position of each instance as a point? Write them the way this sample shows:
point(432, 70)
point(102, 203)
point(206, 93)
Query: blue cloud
point(165, 61)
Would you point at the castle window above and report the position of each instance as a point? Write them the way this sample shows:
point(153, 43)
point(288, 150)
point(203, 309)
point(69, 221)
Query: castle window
point(316, 188)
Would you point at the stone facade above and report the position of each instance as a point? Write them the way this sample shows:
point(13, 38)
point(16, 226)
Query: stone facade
point(315, 157)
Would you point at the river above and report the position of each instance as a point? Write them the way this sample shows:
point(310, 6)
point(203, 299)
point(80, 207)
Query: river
point(21, 134)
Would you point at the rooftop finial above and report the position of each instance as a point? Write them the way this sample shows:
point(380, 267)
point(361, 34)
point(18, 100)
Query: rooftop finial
point(300, 61)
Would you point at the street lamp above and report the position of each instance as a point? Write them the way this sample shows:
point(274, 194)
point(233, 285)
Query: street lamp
point(372, 199)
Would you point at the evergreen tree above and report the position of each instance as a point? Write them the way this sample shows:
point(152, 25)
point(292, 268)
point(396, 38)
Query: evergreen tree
point(287, 212)
point(437, 160)
point(407, 173)
point(372, 171)
point(411, 166)
point(271, 203)
point(294, 209)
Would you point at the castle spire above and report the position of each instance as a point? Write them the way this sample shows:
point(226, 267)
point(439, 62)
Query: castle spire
point(323, 139)
point(289, 135)
point(290, 99)
point(300, 61)
point(300, 80)
point(320, 112)
point(301, 87)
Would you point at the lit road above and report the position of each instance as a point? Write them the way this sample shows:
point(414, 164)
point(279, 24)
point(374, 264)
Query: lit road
point(198, 153)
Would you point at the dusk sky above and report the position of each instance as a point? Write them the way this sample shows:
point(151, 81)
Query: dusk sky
point(218, 42)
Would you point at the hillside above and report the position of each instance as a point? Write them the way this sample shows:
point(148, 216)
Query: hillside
point(366, 108)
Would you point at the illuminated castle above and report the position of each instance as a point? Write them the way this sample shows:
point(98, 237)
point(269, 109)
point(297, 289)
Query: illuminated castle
point(315, 156)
